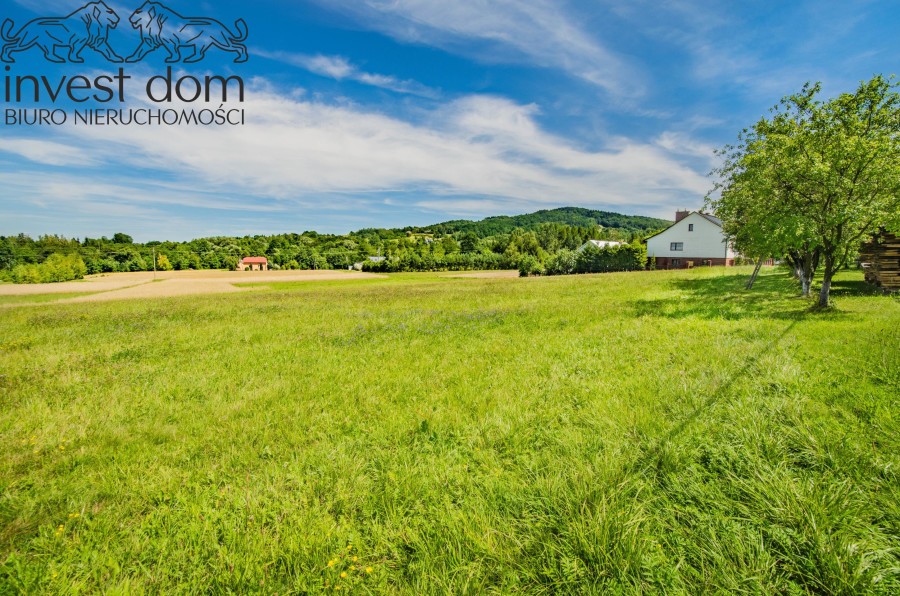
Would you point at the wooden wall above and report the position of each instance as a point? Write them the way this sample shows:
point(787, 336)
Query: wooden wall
point(880, 259)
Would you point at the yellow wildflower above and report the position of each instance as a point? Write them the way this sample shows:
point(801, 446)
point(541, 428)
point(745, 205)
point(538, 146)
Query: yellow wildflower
point(354, 559)
point(343, 574)
point(368, 570)
point(331, 563)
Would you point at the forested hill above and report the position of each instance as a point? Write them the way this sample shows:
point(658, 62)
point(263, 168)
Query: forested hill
point(571, 216)
point(504, 242)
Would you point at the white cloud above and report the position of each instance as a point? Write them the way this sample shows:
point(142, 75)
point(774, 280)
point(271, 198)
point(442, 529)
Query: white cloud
point(335, 67)
point(339, 68)
point(46, 152)
point(737, 47)
point(542, 32)
point(681, 144)
point(472, 154)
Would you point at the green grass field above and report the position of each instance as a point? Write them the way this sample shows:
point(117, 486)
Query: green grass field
point(661, 432)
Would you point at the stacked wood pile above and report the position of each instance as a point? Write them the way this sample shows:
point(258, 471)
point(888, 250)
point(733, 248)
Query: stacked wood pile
point(880, 259)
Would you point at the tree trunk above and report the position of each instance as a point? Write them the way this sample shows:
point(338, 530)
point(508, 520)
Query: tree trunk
point(824, 294)
point(805, 272)
point(805, 284)
point(804, 263)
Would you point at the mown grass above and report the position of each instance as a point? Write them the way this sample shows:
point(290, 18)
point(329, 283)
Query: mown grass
point(622, 433)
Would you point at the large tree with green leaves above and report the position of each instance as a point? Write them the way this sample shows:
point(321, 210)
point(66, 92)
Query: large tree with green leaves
point(815, 180)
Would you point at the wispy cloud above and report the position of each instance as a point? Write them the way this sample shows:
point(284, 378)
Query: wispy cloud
point(59, 8)
point(470, 155)
point(542, 32)
point(46, 152)
point(681, 144)
point(51, 7)
point(339, 68)
point(750, 49)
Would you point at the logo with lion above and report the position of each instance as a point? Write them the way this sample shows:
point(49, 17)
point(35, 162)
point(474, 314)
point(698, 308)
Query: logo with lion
point(87, 27)
point(162, 27)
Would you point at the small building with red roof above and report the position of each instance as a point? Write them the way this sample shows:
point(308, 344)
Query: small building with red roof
point(253, 264)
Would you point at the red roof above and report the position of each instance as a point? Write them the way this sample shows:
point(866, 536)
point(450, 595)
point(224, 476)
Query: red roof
point(255, 260)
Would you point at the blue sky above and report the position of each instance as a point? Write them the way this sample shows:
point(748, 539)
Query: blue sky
point(382, 113)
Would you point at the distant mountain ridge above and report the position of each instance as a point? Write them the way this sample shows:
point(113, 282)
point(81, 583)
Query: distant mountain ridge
point(573, 216)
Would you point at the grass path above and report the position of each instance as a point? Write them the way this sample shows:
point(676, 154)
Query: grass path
point(24, 299)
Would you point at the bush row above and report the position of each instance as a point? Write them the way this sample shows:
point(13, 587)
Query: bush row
point(56, 268)
point(593, 259)
point(452, 262)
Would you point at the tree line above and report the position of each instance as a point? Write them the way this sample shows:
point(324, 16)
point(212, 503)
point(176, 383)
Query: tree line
point(539, 249)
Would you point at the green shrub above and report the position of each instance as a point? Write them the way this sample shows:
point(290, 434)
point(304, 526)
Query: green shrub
point(562, 263)
point(623, 257)
point(163, 263)
point(56, 268)
point(529, 265)
point(27, 274)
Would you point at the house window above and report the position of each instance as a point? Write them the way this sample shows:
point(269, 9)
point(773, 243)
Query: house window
point(675, 246)
point(690, 227)
point(676, 262)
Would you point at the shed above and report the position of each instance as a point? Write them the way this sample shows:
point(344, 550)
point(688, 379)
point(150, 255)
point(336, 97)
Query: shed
point(880, 260)
point(253, 264)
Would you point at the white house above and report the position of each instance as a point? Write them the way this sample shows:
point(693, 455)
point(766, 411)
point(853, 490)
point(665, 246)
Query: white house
point(694, 240)
point(598, 244)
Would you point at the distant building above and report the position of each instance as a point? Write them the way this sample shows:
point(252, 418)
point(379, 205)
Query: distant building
point(253, 264)
point(694, 240)
point(599, 244)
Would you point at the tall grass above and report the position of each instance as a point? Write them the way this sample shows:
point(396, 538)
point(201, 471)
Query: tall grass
point(620, 433)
